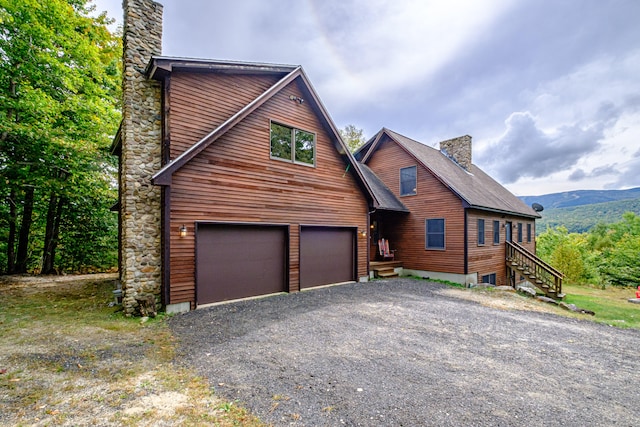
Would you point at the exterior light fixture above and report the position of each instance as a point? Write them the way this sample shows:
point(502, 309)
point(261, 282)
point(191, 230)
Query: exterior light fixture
point(363, 233)
point(183, 231)
point(296, 98)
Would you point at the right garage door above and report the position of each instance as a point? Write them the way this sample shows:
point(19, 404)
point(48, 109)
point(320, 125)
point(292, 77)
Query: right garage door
point(327, 255)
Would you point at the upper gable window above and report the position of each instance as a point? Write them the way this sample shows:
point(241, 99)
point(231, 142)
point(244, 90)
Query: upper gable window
point(294, 145)
point(408, 184)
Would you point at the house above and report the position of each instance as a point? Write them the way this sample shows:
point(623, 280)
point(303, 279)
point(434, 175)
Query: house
point(456, 218)
point(234, 182)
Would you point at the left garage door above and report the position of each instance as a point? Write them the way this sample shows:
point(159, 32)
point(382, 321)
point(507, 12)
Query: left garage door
point(238, 261)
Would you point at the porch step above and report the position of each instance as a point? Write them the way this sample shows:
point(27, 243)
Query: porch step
point(385, 273)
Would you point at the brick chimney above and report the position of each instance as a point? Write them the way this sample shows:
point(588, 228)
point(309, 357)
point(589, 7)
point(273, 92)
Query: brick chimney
point(458, 150)
point(141, 133)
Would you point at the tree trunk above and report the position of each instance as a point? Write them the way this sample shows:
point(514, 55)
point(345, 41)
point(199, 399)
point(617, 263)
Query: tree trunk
point(54, 213)
point(25, 228)
point(11, 241)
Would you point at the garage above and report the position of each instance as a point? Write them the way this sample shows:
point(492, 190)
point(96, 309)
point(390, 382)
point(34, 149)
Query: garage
point(238, 261)
point(327, 255)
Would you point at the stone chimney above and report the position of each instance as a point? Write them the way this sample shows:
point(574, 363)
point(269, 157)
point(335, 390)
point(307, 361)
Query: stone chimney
point(458, 150)
point(141, 133)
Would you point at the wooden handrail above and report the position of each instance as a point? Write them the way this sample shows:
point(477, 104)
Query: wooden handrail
point(550, 278)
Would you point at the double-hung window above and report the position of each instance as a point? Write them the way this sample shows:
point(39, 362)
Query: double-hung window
point(408, 181)
point(293, 145)
point(519, 232)
point(496, 232)
point(480, 232)
point(529, 233)
point(435, 233)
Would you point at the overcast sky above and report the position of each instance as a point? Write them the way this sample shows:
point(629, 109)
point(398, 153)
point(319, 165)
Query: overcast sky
point(548, 89)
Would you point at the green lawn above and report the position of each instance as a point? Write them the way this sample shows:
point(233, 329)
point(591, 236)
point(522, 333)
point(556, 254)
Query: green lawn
point(610, 305)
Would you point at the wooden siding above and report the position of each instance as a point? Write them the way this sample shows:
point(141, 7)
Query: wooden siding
point(200, 102)
point(406, 233)
point(490, 258)
point(234, 180)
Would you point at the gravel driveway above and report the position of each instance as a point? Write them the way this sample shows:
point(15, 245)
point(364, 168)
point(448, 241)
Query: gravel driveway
point(403, 353)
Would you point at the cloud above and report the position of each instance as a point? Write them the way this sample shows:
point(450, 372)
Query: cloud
point(526, 151)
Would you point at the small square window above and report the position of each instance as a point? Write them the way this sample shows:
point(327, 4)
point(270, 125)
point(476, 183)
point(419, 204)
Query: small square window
point(408, 181)
point(293, 145)
point(489, 278)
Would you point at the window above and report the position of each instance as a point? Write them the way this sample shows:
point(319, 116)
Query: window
point(529, 233)
point(294, 145)
point(496, 232)
point(435, 233)
point(519, 232)
point(489, 278)
point(481, 232)
point(408, 185)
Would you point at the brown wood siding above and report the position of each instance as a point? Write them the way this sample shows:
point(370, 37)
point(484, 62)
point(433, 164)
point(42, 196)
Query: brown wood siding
point(234, 180)
point(490, 258)
point(433, 200)
point(201, 102)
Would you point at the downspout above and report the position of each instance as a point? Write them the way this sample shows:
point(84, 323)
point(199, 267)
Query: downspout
point(466, 243)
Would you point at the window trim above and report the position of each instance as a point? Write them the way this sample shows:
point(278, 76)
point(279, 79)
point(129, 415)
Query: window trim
point(415, 189)
point(481, 234)
point(496, 232)
point(293, 131)
point(444, 235)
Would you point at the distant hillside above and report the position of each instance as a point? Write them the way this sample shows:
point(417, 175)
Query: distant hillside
point(579, 219)
point(581, 197)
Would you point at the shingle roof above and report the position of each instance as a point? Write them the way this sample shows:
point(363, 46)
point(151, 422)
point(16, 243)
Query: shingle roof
point(476, 188)
point(385, 197)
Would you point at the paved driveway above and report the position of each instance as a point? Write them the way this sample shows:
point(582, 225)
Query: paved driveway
point(401, 352)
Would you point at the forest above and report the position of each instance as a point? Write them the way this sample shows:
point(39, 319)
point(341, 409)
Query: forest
point(60, 83)
point(607, 254)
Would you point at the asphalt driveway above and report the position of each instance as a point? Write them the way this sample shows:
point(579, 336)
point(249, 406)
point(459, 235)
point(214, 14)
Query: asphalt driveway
point(403, 353)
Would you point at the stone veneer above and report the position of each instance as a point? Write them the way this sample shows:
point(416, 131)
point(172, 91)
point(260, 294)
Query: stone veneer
point(140, 201)
point(459, 150)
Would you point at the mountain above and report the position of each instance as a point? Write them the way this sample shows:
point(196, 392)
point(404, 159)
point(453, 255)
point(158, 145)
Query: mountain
point(580, 219)
point(581, 197)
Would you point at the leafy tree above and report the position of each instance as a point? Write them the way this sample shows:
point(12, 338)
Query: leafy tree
point(353, 137)
point(59, 91)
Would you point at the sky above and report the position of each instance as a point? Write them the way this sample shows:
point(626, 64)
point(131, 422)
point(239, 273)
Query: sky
point(549, 90)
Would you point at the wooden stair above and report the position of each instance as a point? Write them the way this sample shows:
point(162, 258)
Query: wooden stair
point(385, 269)
point(522, 263)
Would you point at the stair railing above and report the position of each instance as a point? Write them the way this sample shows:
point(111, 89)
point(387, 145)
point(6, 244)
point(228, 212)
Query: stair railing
point(543, 275)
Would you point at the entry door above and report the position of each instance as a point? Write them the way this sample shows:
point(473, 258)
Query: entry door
point(327, 255)
point(238, 261)
point(508, 230)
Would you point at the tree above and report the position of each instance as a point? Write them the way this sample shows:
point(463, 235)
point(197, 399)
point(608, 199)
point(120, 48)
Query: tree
point(353, 137)
point(59, 92)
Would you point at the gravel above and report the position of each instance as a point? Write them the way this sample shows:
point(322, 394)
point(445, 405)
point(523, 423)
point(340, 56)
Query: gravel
point(405, 352)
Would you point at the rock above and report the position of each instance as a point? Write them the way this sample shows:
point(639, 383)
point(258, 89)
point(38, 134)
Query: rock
point(572, 307)
point(546, 299)
point(504, 288)
point(147, 305)
point(527, 291)
point(634, 300)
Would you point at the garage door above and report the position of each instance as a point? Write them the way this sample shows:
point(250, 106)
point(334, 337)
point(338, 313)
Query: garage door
point(238, 261)
point(327, 255)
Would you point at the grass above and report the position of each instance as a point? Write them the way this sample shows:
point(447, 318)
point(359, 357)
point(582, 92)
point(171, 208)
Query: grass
point(610, 304)
point(66, 357)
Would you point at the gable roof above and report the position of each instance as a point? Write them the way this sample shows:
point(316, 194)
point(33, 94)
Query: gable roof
point(160, 67)
point(386, 199)
point(476, 189)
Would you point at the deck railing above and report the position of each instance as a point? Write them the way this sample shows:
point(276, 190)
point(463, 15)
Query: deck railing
point(541, 274)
